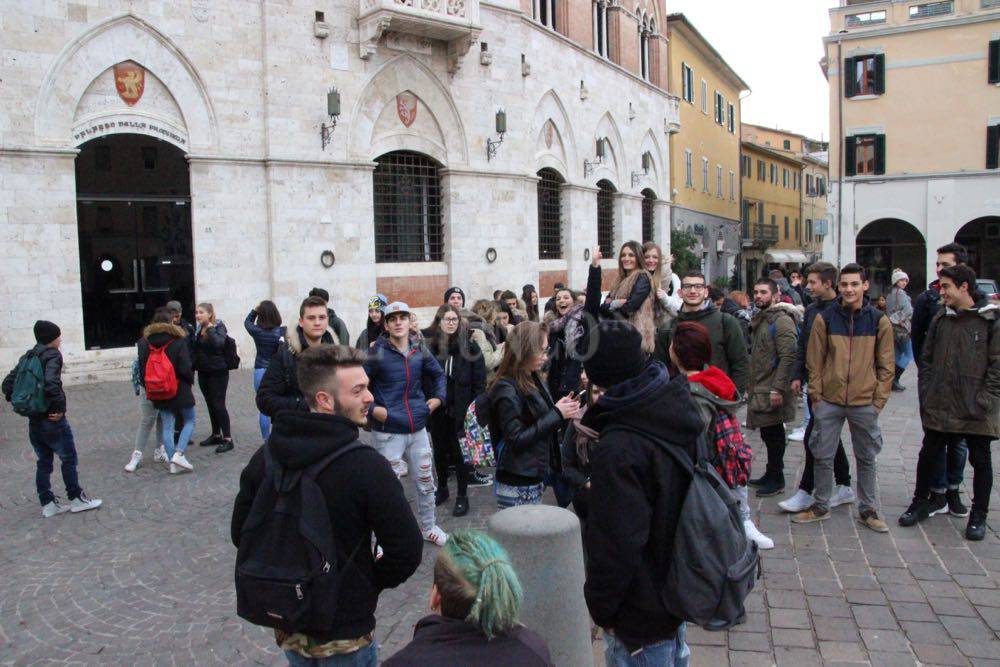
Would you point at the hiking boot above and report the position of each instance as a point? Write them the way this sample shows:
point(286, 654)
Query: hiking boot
point(480, 479)
point(436, 536)
point(798, 435)
point(771, 487)
point(842, 495)
point(915, 513)
point(225, 446)
point(976, 530)
point(762, 541)
point(83, 503)
point(52, 508)
point(955, 505)
point(870, 519)
point(441, 495)
point(160, 454)
point(811, 515)
point(461, 506)
point(797, 503)
point(211, 441)
point(133, 462)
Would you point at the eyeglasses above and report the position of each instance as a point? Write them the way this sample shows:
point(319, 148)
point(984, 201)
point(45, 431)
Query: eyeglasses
point(449, 320)
point(692, 288)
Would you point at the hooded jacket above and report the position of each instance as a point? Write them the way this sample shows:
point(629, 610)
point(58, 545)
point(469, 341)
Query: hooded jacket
point(279, 388)
point(637, 492)
point(851, 356)
point(159, 334)
point(772, 364)
point(960, 380)
point(711, 391)
point(924, 309)
point(397, 382)
point(52, 363)
point(363, 497)
point(464, 372)
point(729, 348)
point(209, 355)
point(338, 327)
point(812, 310)
point(450, 642)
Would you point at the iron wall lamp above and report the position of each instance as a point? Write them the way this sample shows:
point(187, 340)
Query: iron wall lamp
point(332, 110)
point(588, 166)
point(647, 162)
point(501, 127)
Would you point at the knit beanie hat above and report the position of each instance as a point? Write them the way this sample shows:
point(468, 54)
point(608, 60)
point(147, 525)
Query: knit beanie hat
point(378, 302)
point(618, 354)
point(453, 290)
point(899, 274)
point(46, 332)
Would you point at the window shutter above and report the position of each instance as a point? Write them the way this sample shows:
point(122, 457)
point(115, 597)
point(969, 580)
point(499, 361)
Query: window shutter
point(993, 147)
point(850, 157)
point(849, 90)
point(879, 153)
point(880, 74)
point(995, 61)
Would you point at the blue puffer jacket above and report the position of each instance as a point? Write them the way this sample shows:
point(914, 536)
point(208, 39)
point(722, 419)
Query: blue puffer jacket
point(397, 382)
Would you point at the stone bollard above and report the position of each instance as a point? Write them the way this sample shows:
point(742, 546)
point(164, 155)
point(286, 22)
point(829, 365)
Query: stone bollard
point(545, 547)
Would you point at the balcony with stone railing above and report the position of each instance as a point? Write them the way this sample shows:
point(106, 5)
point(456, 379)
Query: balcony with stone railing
point(455, 22)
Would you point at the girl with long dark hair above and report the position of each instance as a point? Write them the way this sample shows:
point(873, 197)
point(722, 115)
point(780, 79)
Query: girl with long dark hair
point(263, 323)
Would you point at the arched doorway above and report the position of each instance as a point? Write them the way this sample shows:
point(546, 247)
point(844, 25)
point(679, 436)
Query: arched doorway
point(981, 238)
point(886, 244)
point(134, 226)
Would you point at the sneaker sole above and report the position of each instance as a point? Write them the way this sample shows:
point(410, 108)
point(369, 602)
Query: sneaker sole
point(768, 494)
point(962, 515)
point(943, 510)
point(791, 510)
point(873, 529)
point(49, 516)
point(85, 509)
point(838, 503)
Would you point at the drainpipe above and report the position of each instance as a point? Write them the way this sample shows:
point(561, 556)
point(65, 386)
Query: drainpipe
point(268, 206)
point(739, 144)
point(841, 168)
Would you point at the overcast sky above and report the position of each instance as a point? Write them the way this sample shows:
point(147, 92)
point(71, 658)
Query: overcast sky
point(775, 46)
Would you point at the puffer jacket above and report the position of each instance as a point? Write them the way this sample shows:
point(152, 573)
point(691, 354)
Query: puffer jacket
point(812, 310)
point(52, 363)
point(851, 356)
point(924, 309)
point(159, 334)
point(209, 356)
point(397, 382)
point(960, 379)
point(530, 427)
point(772, 364)
point(279, 388)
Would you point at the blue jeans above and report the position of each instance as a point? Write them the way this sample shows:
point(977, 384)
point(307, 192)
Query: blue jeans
point(511, 496)
point(167, 430)
point(265, 421)
point(50, 439)
point(366, 657)
point(667, 653)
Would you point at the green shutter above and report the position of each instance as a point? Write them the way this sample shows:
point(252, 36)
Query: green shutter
point(879, 153)
point(994, 76)
point(993, 147)
point(880, 74)
point(850, 157)
point(848, 74)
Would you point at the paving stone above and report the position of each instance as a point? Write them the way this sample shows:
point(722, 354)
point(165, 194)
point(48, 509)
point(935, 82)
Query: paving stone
point(796, 657)
point(789, 618)
point(786, 637)
point(891, 659)
point(710, 655)
point(749, 659)
point(961, 627)
point(866, 597)
point(786, 600)
point(951, 607)
point(842, 651)
point(913, 611)
point(874, 617)
point(836, 629)
point(829, 606)
point(750, 641)
point(937, 654)
point(931, 632)
point(979, 648)
point(884, 640)
point(903, 593)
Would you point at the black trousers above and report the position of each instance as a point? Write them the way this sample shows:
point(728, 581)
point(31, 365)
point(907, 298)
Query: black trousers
point(213, 387)
point(774, 440)
point(444, 439)
point(933, 461)
point(841, 464)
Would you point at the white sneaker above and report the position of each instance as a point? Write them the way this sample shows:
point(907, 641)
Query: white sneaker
point(160, 455)
point(133, 462)
point(763, 541)
point(800, 502)
point(53, 508)
point(174, 469)
point(842, 495)
point(798, 435)
point(379, 553)
point(436, 536)
point(83, 503)
point(181, 461)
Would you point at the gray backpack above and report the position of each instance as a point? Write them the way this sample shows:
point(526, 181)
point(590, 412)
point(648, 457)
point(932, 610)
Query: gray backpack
point(713, 566)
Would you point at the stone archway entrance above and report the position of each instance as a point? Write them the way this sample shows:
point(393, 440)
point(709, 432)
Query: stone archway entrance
point(134, 224)
point(981, 237)
point(886, 244)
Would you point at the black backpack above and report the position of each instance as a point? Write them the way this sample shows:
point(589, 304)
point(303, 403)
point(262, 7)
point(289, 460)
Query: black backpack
point(287, 575)
point(713, 566)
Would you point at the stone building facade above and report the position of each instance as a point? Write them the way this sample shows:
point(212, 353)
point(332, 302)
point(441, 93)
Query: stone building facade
point(156, 150)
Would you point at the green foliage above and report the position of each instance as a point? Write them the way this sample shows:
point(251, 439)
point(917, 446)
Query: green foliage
point(681, 243)
point(722, 282)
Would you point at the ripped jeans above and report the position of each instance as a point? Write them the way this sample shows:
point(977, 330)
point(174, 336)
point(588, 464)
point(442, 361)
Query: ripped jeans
point(416, 447)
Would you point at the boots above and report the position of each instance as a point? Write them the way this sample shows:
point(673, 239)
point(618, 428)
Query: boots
point(896, 386)
point(772, 484)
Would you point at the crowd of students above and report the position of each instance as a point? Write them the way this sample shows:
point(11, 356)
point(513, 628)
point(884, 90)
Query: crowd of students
point(580, 394)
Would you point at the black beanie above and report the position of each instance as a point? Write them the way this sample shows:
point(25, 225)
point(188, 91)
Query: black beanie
point(46, 332)
point(617, 354)
point(453, 290)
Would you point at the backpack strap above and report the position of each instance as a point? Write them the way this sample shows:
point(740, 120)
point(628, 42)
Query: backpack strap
point(685, 462)
point(313, 471)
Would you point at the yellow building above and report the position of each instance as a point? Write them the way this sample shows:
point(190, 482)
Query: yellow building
point(915, 134)
point(771, 209)
point(815, 223)
point(706, 158)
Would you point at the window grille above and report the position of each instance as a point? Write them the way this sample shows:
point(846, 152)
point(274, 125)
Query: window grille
point(931, 9)
point(549, 215)
point(606, 218)
point(407, 193)
point(648, 202)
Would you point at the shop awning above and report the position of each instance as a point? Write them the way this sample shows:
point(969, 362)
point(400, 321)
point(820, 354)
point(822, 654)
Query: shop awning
point(786, 257)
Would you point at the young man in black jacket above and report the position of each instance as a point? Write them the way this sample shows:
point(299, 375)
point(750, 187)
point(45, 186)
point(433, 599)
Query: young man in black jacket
point(337, 324)
point(49, 431)
point(637, 491)
point(362, 495)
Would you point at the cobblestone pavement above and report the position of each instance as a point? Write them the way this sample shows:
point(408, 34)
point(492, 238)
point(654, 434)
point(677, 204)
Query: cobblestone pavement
point(147, 579)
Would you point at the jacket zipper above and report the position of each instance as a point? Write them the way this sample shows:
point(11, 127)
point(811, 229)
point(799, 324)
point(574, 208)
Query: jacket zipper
point(850, 356)
point(406, 390)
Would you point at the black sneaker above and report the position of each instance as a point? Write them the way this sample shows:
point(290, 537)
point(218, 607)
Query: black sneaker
point(211, 441)
point(937, 504)
point(461, 506)
point(441, 496)
point(915, 513)
point(224, 446)
point(955, 506)
point(758, 481)
point(976, 530)
point(771, 487)
point(480, 479)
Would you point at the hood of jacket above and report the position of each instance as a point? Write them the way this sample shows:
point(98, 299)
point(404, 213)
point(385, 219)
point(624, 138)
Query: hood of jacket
point(171, 330)
point(299, 439)
point(639, 403)
point(771, 313)
point(985, 308)
point(707, 308)
point(297, 339)
point(714, 385)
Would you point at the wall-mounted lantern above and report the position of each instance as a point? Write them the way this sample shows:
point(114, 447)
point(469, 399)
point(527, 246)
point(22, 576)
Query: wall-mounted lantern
point(600, 151)
point(501, 128)
point(332, 110)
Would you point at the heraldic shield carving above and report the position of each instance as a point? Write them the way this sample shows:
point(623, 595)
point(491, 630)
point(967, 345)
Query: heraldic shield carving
point(130, 81)
point(406, 107)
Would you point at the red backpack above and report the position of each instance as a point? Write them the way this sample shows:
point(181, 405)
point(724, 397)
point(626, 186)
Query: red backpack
point(161, 380)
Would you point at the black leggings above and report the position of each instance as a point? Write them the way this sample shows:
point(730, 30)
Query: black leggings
point(774, 439)
point(213, 387)
point(841, 465)
point(444, 438)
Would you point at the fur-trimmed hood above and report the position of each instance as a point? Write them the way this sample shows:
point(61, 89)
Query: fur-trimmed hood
point(296, 339)
point(797, 313)
point(170, 329)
